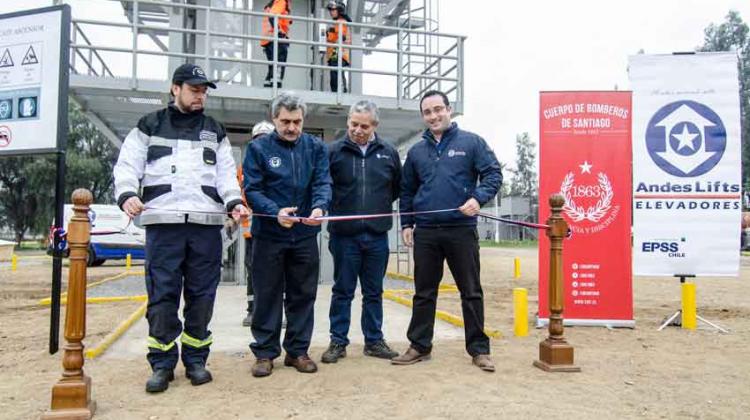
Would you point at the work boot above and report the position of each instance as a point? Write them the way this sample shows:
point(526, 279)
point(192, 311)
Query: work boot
point(198, 374)
point(159, 380)
point(262, 367)
point(411, 356)
point(483, 361)
point(380, 349)
point(302, 363)
point(333, 353)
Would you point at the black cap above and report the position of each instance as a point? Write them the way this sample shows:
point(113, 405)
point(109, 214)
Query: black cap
point(192, 75)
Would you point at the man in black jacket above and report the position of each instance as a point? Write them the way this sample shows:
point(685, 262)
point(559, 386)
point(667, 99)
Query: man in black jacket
point(366, 173)
point(441, 172)
point(285, 174)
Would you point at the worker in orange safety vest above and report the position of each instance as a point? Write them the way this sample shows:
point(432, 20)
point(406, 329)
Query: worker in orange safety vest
point(277, 7)
point(337, 10)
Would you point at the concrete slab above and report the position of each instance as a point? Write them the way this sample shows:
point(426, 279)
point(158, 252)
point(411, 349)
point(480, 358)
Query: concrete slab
point(231, 337)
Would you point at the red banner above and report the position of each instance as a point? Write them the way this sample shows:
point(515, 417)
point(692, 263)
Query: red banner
point(585, 155)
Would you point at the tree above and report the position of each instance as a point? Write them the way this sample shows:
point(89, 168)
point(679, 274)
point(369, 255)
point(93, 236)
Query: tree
point(734, 35)
point(524, 181)
point(27, 184)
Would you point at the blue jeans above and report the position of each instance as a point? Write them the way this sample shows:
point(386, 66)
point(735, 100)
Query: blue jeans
point(365, 256)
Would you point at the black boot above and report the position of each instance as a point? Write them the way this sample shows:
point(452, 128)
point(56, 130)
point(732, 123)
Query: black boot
point(334, 352)
point(380, 349)
point(198, 374)
point(159, 380)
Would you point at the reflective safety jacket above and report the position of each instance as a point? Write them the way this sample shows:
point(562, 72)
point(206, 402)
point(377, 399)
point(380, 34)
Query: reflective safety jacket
point(184, 164)
point(278, 7)
point(332, 37)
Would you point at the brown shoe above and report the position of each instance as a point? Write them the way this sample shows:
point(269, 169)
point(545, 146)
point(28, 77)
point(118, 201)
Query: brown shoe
point(262, 367)
point(302, 363)
point(484, 362)
point(411, 356)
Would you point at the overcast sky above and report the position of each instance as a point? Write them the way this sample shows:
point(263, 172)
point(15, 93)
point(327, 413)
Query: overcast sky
point(516, 49)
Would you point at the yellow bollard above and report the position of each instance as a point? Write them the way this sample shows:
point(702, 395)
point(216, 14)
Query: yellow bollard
point(520, 312)
point(516, 268)
point(128, 261)
point(689, 314)
point(13, 262)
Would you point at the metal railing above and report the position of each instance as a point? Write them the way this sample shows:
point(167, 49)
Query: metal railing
point(91, 61)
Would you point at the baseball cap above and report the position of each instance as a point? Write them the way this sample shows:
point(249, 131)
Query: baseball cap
point(192, 75)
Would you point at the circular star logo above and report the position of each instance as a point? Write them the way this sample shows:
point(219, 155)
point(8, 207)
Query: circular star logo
point(686, 138)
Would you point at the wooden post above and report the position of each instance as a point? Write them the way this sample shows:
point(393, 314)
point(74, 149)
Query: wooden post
point(555, 354)
point(71, 395)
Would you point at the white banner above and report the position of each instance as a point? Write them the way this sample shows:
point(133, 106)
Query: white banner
point(686, 164)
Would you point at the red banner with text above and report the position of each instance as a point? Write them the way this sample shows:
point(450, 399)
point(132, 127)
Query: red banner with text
point(585, 155)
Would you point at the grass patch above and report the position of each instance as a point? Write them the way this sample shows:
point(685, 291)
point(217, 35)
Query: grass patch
point(509, 244)
point(30, 246)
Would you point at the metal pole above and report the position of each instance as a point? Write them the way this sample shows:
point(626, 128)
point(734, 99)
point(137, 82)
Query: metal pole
point(340, 60)
point(399, 64)
point(274, 81)
point(54, 330)
point(460, 71)
point(497, 222)
point(207, 42)
point(134, 80)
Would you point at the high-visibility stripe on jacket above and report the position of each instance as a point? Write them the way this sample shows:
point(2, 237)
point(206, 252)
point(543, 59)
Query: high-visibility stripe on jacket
point(332, 37)
point(279, 7)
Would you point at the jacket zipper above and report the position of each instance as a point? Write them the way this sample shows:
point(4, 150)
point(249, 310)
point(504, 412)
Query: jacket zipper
point(294, 178)
point(364, 182)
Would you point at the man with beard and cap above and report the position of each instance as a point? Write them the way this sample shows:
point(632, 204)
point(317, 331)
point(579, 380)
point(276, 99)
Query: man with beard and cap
point(176, 171)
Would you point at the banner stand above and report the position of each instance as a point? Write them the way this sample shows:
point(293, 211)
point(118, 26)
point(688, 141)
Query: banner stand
point(672, 320)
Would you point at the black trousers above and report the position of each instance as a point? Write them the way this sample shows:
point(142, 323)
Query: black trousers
point(181, 260)
point(335, 75)
point(458, 246)
point(283, 52)
point(278, 268)
point(249, 273)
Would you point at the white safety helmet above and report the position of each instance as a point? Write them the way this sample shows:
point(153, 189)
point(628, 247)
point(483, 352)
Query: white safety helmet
point(263, 127)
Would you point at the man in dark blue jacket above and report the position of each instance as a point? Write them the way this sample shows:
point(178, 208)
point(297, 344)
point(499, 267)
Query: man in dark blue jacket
point(286, 175)
point(441, 172)
point(366, 173)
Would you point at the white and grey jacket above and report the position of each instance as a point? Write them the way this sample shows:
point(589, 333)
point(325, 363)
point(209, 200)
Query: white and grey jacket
point(184, 164)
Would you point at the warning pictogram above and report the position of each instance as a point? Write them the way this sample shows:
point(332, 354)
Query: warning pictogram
point(5, 136)
point(6, 60)
point(30, 57)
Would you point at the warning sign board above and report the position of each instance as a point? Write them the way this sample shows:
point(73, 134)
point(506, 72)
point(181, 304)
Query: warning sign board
point(6, 60)
point(34, 56)
point(30, 57)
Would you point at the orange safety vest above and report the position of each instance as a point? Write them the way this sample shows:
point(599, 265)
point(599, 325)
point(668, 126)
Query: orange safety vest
point(279, 7)
point(244, 223)
point(332, 37)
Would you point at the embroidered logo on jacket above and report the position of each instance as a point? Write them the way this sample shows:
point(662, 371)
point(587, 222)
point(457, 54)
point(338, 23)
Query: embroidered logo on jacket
point(274, 162)
point(208, 136)
point(452, 153)
point(379, 156)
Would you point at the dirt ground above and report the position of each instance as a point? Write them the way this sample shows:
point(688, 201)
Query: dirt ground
point(638, 373)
